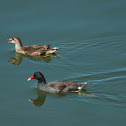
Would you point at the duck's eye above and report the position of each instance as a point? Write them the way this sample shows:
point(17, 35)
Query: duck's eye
point(12, 38)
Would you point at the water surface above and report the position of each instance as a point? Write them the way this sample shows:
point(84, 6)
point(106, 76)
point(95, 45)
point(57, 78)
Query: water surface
point(91, 36)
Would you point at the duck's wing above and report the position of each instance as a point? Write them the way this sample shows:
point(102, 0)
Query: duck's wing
point(33, 50)
point(62, 86)
point(40, 46)
point(59, 86)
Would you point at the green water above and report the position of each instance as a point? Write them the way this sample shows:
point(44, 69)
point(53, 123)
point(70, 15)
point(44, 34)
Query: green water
point(91, 35)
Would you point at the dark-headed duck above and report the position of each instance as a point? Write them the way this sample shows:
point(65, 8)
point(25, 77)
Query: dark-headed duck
point(58, 86)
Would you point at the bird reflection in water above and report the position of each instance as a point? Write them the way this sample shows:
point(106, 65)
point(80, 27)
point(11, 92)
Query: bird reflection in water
point(18, 58)
point(42, 96)
point(40, 100)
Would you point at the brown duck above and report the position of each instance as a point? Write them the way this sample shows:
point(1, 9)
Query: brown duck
point(32, 50)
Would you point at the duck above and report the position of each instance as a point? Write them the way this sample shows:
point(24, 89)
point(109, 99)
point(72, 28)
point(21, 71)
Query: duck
point(32, 50)
point(58, 86)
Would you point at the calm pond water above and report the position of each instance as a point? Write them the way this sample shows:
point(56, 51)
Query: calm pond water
point(91, 35)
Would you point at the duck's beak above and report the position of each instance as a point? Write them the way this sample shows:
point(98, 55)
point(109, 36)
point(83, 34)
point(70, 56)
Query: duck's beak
point(29, 79)
point(31, 100)
point(32, 77)
point(10, 40)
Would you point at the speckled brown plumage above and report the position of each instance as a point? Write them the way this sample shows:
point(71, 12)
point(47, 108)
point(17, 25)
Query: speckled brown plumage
point(32, 50)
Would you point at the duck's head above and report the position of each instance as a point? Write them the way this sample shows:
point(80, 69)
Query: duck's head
point(15, 40)
point(39, 76)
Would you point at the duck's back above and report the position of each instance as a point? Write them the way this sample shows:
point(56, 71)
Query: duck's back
point(62, 83)
point(38, 46)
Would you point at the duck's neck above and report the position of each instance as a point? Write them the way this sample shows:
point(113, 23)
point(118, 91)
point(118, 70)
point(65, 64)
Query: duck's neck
point(41, 81)
point(18, 46)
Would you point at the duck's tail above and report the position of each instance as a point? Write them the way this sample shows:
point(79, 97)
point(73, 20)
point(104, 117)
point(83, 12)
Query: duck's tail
point(83, 85)
point(55, 48)
point(52, 50)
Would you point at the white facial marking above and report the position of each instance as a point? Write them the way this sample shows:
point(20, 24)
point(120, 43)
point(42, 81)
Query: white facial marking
point(16, 46)
point(12, 41)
